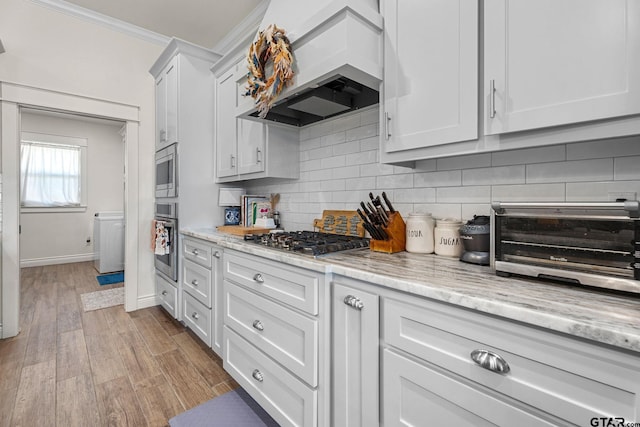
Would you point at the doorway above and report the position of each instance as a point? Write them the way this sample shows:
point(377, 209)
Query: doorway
point(13, 99)
point(60, 199)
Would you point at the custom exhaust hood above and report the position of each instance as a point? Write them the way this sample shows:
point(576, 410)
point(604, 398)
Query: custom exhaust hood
point(337, 53)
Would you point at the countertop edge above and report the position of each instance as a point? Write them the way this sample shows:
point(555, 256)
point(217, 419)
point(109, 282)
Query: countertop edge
point(605, 331)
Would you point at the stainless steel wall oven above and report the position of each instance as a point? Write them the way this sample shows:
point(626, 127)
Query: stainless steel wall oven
point(166, 256)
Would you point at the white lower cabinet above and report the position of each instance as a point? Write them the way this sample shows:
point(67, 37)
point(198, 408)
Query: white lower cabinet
point(201, 280)
point(445, 365)
point(273, 337)
point(167, 294)
point(355, 339)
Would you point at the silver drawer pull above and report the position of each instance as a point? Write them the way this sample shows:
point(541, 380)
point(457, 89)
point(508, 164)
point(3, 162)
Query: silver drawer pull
point(195, 315)
point(491, 361)
point(194, 282)
point(257, 375)
point(164, 293)
point(258, 325)
point(195, 252)
point(216, 254)
point(258, 278)
point(354, 302)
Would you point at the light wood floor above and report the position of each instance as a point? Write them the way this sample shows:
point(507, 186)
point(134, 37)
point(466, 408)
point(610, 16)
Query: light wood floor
point(105, 367)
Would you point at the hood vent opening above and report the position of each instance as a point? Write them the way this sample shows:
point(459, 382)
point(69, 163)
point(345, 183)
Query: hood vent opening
point(338, 96)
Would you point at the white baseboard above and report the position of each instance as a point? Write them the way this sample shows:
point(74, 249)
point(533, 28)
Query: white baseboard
point(147, 301)
point(65, 259)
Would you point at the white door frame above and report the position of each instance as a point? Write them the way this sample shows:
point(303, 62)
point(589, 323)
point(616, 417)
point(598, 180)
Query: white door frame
point(12, 98)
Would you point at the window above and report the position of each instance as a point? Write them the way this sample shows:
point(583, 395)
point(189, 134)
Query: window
point(52, 171)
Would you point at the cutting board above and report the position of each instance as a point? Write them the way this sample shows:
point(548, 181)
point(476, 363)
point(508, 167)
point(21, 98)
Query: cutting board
point(239, 230)
point(347, 223)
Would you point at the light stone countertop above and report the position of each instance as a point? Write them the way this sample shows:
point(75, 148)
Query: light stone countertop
point(594, 315)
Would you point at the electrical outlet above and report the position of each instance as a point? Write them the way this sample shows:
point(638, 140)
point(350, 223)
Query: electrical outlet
point(615, 195)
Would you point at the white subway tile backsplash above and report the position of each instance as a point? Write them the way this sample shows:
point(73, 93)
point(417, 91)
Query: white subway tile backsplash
point(414, 195)
point(339, 167)
point(551, 153)
point(376, 169)
point(333, 139)
point(368, 144)
point(528, 193)
point(333, 162)
point(344, 172)
point(438, 179)
point(629, 146)
point(464, 162)
point(468, 194)
point(394, 181)
point(573, 171)
point(362, 132)
point(599, 191)
point(494, 176)
point(362, 158)
point(366, 183)
point(347, 148)
point(625, 168)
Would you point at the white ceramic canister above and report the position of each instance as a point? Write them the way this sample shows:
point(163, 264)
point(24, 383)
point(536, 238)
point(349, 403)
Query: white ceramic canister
point(447, 237)
point(420, 233)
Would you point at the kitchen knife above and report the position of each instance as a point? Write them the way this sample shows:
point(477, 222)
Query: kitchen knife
point(387, 202)
point(369, 226)
point(383, 216)
point(373, 214)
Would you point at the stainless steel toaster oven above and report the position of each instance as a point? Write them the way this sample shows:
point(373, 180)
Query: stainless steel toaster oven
point(591, 244)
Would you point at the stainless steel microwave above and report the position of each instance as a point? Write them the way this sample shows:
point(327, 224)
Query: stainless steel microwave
point(167, 171)
point(590, 244)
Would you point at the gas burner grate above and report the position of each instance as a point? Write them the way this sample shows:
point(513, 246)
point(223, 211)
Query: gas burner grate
point(311, 243)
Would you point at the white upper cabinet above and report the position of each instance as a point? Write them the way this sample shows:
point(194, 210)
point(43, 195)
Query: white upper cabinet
point(430, 73)
point(167, 105)
point(555, 62)
point(225, 125)
point(247, 149)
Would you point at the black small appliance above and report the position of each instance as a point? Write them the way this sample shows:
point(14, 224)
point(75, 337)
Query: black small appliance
point(476, 240)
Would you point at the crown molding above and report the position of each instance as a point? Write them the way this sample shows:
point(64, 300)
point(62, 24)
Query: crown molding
point(104, 20)
point(238, 34)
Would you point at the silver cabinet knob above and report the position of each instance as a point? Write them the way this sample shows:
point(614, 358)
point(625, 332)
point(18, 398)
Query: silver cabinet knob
point(195, 252)
point(164, 293)
point(258, 325)
point(491, 361)
point(194, 282)
point(195, 315)
point(354, 302)
point(258, 278)
point(257, 375)
point(216, 254)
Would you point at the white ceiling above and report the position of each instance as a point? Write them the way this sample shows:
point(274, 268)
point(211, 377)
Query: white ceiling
point(202, 22)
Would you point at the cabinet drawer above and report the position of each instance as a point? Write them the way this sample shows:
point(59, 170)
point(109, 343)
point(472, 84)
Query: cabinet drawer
point(167, 294)
point(567, 378)
point(290, 285)
point(288, 337)
point(196, 251)
point(197, 281)
point(197, 317)
point(288, 400)
point(414, 395)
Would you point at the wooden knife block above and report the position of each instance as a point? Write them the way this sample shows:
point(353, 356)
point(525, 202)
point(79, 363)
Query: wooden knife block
point(397, 232)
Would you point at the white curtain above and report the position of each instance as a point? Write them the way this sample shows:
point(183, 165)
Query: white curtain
point(49, 174)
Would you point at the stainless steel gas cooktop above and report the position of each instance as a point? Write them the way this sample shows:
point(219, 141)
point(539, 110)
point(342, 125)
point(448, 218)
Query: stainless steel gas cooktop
point(308, 242)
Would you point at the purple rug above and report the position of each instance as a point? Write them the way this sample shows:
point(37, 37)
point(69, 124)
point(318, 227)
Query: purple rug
point(233, 409)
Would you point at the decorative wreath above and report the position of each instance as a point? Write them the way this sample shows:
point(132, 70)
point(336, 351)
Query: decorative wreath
point(272, 46)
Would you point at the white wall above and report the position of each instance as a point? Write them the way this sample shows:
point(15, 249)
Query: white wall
point(52, 50)
point(339, 167)
point(55, 238)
